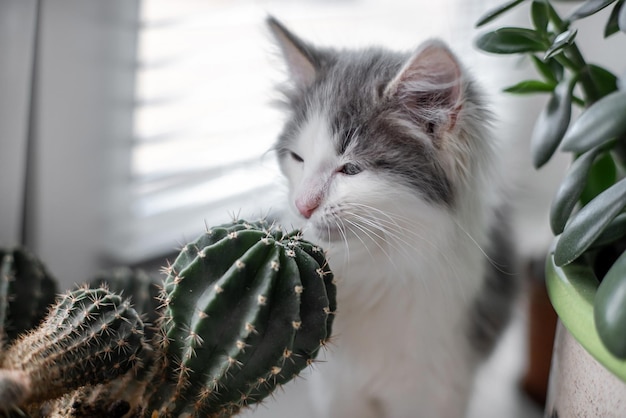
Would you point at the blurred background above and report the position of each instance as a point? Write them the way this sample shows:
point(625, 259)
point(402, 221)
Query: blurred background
point(126, 126)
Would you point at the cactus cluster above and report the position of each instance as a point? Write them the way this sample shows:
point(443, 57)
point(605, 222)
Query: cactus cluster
point(242, 310)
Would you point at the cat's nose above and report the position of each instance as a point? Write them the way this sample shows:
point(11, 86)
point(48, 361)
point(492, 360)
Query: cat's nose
point(306, 207)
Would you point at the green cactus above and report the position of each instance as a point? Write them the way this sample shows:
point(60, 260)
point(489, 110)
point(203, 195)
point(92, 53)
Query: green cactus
point(247, 307)
point(139, 287)
point(243, 309)
point(90, 336)
point(26, 291)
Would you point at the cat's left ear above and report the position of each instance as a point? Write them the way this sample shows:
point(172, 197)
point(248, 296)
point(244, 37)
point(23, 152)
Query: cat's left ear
point(429, 88)
point(302, 60)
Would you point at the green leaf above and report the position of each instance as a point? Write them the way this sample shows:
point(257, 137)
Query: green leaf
point(530, 87)
point(551, 70)
point(621, 19)
point(552, 123)
point(568, 194)
point(540, 16)
point(602, 175)
point(511, 41)
point(614, 231)
point(604, 81)
point(587, 225)
point(609, 308)
point(561, 42)
point(556, 20)
point(588, 8)
point(612, 25)
point(497, 11)
point(601, 122)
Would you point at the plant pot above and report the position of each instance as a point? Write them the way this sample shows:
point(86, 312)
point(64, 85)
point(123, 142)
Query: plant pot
point(585, 379)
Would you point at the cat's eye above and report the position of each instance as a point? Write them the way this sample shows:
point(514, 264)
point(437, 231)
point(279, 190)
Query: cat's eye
point(350, 169)
point(296, 156)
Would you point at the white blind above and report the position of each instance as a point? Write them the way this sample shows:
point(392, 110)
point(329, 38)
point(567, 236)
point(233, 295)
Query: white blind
point(202, 126)
point(203, 121)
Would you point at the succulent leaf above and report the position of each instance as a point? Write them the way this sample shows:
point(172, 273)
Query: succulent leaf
point(497, 11)
point(530, 87)
point(600, 123)
point(587, 225)
point(609, 308)
point(588, 8)
point(511, 41)
point(570, 190)
point(552, 124)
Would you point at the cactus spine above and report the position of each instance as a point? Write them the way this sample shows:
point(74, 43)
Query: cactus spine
point(139, 287)
point(246, 308)
point(90, 336)
point(243, 309)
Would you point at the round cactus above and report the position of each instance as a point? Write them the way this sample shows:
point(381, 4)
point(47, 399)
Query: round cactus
point(90, 336)
point(246, 308)
point(26, 292)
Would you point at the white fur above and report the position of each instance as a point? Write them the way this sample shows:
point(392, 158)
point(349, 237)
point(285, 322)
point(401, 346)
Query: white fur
point(405, 284)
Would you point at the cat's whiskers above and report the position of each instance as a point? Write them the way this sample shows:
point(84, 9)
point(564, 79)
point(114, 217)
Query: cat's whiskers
point(395, 230)
point(403, 236)
point(372, 237)
point(490, 260)
point(341, 227)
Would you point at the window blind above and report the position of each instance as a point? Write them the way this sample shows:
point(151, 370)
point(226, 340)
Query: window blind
point(203, 128)
point(203, 124)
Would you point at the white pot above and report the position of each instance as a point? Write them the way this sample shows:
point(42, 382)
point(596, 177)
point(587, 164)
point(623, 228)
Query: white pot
point(579, 385)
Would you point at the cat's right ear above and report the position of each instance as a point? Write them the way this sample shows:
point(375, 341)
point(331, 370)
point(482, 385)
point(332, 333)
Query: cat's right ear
point(302, 61)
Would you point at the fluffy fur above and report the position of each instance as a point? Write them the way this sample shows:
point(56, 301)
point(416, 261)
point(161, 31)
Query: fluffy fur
point(390, 166)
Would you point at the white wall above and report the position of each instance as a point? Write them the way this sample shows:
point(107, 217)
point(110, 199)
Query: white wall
point(17, 19)
point(83, 118)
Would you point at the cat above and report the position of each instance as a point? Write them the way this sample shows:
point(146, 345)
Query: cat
point(391, 167)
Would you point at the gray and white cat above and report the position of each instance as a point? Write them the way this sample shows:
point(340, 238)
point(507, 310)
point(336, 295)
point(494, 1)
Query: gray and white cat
point(391, 167)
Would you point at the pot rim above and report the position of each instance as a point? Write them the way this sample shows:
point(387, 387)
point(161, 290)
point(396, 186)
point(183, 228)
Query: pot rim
point(572, 289)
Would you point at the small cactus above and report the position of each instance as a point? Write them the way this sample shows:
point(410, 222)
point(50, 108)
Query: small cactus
point(90, 336)
point(136, 285)
point(247, 307)
point(26, 291)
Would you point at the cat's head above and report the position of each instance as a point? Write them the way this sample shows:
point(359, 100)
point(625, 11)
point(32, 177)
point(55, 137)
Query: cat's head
point(373, 134)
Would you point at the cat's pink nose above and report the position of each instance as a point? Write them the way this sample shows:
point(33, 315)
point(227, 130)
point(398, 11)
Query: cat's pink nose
point(306, 207)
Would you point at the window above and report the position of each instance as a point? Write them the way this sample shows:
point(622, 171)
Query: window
point(203, 125)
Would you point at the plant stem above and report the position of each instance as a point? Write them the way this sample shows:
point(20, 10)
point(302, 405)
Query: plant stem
point(573, 58)
point(588, 85)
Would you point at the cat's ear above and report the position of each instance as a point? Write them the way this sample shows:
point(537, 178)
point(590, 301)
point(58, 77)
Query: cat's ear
point(429, 87)
point(302, 61)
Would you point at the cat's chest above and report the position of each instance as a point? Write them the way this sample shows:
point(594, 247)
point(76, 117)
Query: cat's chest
point(414, 300)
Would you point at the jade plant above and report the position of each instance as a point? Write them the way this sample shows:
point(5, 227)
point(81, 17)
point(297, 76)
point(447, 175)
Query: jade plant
point(242, 310)
point(587, 213)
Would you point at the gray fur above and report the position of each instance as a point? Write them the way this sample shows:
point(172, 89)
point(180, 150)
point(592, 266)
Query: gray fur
point(492, 308)
point(349, 89)
point(398, 135)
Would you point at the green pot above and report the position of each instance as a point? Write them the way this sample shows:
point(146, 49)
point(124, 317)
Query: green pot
point(572, 289)
point(585, 379)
